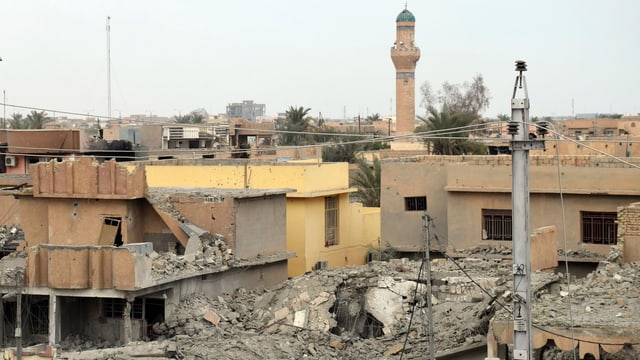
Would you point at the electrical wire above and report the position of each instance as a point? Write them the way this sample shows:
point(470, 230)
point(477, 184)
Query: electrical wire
point(412, 311)
point(510, 311)
point(564, 238)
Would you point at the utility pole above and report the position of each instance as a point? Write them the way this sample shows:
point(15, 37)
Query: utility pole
point(18, 331)
point(427, 255)
point(520, 146)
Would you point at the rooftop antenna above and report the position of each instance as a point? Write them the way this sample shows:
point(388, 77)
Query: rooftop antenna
point(520, 145)
point(108, 71)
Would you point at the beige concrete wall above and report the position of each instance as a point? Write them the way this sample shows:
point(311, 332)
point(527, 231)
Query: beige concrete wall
point(86, 267)
point(543, 241)
point(458, 188)
point(403, 229)
point(215, 217)
point(79, 221)
point(86, 178)
point(9, 210)
point(254, 226)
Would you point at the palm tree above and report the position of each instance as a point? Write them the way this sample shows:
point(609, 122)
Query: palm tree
point(37, 119)
point(295, 122)
point(449, 132)
point(17, 122)
point(367, 181)
point(373, 117)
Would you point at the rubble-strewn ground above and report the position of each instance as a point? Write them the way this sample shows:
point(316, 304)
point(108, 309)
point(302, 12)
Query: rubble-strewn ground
point(363, 311)
point(349, 313)
point(605, 299)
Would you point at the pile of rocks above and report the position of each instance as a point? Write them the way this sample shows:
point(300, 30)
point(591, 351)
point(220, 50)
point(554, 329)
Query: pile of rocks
point(351, 313)
point(206, 251)
point(10, 238)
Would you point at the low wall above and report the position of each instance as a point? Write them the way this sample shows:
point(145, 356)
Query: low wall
point(86, 267)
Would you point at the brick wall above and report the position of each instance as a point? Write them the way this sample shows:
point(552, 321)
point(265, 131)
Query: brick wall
point(629, 232)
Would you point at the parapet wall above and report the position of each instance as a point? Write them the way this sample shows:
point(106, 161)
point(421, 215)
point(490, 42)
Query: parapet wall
point(534, 160)
point(86, 267)
point(87, 178)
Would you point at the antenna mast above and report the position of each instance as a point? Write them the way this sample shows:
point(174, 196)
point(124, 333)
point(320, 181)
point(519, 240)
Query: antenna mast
point(108, 70)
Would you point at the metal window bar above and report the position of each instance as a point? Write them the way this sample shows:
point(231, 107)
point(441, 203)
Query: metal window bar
point(415, 203)
point(331, 220)
point(599, 228)
point(497, 224)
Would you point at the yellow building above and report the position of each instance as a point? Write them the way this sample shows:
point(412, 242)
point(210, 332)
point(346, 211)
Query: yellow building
point(323, 228)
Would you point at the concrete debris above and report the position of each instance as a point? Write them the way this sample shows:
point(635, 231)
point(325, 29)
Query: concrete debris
point(10, 238)
point(348, 313)
point(364, 311)
point(205, 252)
point(606, 298)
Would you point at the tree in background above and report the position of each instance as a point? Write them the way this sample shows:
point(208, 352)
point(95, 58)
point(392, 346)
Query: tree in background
point(468, 97)
point(367, 181)
point(17, 122)
point(191, 118)
point(37, 119)
point(294, 126)
point(373, 117)
point(460, 107)
point(449, 132)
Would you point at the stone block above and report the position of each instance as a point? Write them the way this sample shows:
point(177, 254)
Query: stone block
point(212, 317)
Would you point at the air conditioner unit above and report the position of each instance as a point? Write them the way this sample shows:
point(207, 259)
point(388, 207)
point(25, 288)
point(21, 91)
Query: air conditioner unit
point(10, 161)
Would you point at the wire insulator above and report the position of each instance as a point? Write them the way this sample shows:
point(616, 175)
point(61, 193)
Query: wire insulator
point(512, 127)
point(521, 65)
point(542, 128)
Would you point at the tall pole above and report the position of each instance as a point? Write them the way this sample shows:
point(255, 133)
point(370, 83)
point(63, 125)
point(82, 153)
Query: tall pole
point(427, 255)
point(4, 109)
point(108, 70)
point(18, 333)
point(520, 146)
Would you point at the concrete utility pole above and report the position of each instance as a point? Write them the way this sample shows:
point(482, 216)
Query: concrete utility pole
point(520, 146)
point(427, 235)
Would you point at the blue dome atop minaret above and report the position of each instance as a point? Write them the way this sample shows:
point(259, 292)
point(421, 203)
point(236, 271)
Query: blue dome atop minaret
point(406, 15)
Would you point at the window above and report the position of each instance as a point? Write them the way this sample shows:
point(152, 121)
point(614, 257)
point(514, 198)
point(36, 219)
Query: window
point(114, 308)
point(599, 227)
point(496, 225)
point(111, 233)
point(330, 220)
point(415, 203)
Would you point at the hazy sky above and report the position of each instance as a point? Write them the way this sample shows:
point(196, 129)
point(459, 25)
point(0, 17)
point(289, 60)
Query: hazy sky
point(174, 56)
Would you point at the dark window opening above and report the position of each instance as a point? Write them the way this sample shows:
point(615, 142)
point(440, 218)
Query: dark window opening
point(114, 308)
point(599, 227)
point(415, 203)
point(496, 225)
point(331, 220)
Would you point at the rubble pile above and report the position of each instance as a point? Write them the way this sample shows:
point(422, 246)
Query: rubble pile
point(350, 313)
point(10, 238)
point(606, 298)
point(608, 295)
point(579, 253)
point(485, 250)
point(206, 251)
point(364, 312)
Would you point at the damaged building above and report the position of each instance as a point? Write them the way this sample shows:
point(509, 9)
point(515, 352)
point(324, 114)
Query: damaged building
point(107, 256)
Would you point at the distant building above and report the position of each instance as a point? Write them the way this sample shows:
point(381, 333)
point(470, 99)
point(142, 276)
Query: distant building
point(247, 109)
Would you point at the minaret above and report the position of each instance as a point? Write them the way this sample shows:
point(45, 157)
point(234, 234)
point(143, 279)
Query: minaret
point(405, 55)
